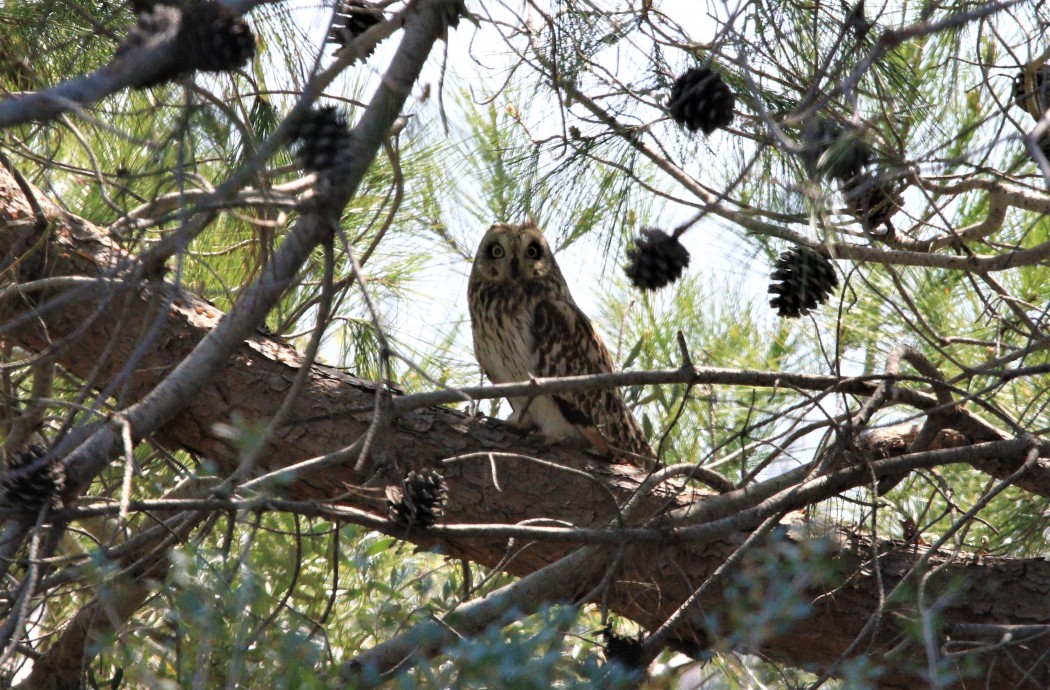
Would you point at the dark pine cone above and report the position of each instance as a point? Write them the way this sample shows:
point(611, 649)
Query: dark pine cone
point(420, 500)
point(210, 37)
point(1031, 94)
point(324, 140)
point(626, 650)
point(352, 19)
point(700, 99)
point(33, 489)
point(153, 21)
point(802, 279)
point(833, 151)
point(873, 200)
point(214, 38)
point(453, 12)
point(656, 259)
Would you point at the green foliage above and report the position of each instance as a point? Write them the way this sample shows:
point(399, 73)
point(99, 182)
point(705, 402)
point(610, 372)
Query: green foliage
point(721, 326)
point(531, 654)
point(504, 175)
point(44, 43)
point(767, 595)
point(271, 599)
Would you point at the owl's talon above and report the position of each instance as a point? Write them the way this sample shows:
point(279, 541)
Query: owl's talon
point(595, 453)
point(525, 422)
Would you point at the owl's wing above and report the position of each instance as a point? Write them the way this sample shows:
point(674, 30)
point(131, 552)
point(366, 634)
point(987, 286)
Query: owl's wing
point(566, 344)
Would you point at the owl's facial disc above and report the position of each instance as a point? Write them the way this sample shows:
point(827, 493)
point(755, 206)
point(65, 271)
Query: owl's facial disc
point(513, 254)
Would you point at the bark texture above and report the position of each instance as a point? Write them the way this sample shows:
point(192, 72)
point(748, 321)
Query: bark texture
point(124, 336)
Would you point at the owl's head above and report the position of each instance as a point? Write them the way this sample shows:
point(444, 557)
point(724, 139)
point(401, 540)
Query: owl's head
point(514, 254)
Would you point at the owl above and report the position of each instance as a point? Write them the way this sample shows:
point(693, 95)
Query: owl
point(526, 324)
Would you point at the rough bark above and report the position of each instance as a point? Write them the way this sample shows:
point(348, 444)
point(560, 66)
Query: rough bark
point(95, 332)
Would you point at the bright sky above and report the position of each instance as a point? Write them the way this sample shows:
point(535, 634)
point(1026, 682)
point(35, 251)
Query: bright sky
point(477, 60)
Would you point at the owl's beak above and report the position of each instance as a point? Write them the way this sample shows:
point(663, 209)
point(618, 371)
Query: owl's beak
point(514, 268)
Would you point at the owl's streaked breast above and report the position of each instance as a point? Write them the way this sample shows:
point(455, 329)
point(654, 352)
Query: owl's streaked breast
point(502, 318)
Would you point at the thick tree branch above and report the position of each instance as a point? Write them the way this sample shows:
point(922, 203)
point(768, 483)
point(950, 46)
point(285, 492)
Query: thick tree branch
point(334, 410)
point(562, 581)
point(194, 371)
point(147, 560)
point(707, 519)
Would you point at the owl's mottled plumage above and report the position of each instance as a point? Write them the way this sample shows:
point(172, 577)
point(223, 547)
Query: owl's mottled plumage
point(526, 324)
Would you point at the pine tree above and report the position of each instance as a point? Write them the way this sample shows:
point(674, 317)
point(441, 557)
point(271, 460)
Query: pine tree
point(243, 440)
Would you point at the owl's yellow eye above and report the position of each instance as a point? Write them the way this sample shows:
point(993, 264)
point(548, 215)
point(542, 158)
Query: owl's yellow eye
point(496, 251)
point(533, 251)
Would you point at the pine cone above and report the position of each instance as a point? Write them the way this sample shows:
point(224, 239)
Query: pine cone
point(210, 37)
point(834, 151)
point(453, 13)
point(324, 139)
point(873, 200)
point(1032, 90)
point(420, 501)
point(352, 19)
point(700, 99)
point(154, 21)
point(857, 21)
point(656, 259)
point(30, 490)
point(806, 278)
point(214, 38)
point(626, 650)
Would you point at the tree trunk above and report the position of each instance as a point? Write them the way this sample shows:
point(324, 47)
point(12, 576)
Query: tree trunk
point(97, 334)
